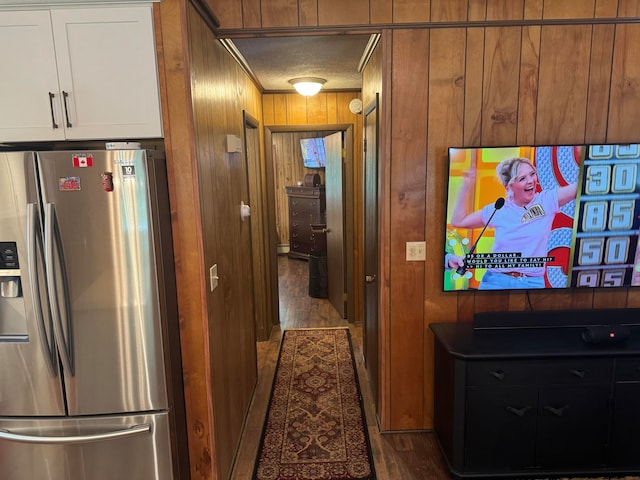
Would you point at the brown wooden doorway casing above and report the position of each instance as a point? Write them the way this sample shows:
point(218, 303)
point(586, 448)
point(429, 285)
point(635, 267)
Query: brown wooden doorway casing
point(261, 242)
point(348, 133)
point(371, 330)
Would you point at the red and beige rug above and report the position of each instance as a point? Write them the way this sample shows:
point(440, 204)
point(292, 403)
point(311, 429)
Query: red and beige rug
point(315, 427)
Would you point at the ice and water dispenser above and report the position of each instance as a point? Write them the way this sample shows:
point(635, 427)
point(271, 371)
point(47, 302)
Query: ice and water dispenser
point(12, 312)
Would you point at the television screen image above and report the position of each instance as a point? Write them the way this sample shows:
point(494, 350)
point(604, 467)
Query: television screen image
point(530, 217)
point(313, 153)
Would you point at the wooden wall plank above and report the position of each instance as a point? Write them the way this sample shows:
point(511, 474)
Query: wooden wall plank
point(381, 11)
point(532, 9)
point(505, 9)
point(446, 107)
point(296, 109)
point(606, 8)
point(628, 8)
point(317, 109)
point(564, 79)
point(268, 110)
point(599, 83)
point(473, 80)
point(554, 9)
point(610, 298)
point(308, 16)
point(448, 10)
point(625, 86)
point(332, 107)
point(477, 10)
point(501, 80)
point(408, 200)
point(280, 13)
point(411, 11)
point(228, 12)
point(339, 12)
point(528, 95)
point(280, 107)
point(251, 17)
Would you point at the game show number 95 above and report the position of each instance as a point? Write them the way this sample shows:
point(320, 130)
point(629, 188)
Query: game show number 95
point(616, 214)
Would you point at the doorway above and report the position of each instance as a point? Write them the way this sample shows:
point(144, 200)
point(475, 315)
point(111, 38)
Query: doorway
point(277, 206)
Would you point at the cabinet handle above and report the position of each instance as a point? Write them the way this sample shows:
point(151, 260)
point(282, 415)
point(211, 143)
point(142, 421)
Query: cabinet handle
point(65, 96)
point(578, 373)
point(556, 411)
point(53, 117)
point(498, 374)
point(518, 411)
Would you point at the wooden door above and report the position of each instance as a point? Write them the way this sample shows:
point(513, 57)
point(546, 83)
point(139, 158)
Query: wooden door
point(370, 329)
point(335, 223)
point(259, 230)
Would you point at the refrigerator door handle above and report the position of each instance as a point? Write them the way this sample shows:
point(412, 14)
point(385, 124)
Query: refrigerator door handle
point(95, 437)
point(54, 255)
point(34, 258)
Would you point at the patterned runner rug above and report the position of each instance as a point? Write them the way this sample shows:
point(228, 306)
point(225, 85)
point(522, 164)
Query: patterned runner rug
point(315, 426)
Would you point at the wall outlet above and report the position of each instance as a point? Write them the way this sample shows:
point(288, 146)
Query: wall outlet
point(416, 251)
point(213, 277)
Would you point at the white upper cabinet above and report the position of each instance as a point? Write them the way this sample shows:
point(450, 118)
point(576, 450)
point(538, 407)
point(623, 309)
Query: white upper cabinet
point(78, 74)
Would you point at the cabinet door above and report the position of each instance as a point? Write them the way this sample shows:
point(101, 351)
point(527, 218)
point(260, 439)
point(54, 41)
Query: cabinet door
point(29, 98)
point(572, 426)
point(625, 430)
point(500, 428)
point(108, 72)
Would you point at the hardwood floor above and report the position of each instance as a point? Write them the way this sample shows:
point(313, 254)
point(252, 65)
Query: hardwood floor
point(407, 456)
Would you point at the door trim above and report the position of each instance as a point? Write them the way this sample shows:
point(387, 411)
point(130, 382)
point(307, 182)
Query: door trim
point(348, 132)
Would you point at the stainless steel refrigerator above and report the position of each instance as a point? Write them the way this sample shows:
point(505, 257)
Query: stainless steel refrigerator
point(85, 271)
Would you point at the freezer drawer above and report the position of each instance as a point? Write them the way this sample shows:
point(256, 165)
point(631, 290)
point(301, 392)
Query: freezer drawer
point(130, 447)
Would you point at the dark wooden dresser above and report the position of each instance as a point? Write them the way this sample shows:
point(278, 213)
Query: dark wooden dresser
point(539, 394)
point(306, 209)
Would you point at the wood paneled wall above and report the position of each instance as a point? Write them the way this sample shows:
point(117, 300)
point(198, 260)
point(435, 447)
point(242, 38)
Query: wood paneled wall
point(512, 78)
point(204, 95)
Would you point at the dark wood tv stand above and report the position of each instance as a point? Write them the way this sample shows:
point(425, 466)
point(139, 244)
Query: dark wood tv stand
point(522, 394)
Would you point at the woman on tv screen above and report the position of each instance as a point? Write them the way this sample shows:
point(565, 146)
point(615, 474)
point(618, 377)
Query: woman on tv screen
point(522, 225)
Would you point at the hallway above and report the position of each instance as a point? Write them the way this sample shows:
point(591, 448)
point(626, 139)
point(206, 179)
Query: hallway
point(409, 456)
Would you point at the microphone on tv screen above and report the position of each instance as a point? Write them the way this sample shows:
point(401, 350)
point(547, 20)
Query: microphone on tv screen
point(496, 206)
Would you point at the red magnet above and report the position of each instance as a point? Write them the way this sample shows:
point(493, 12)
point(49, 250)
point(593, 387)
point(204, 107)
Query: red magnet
point(107, 181)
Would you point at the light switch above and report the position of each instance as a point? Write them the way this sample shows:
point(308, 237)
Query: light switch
point(213, 277)
point(415, 251)
point(234, 144)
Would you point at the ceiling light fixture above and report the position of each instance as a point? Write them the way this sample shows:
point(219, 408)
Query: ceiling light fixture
point(307, 86)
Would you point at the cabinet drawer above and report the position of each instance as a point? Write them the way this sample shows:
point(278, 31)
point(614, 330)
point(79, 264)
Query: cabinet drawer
point(304, 204)
point(628, 370)
point(539, 372)
point(305, 191)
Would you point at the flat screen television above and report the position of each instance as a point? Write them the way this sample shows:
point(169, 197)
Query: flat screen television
point(313, 152)
point(525, 217)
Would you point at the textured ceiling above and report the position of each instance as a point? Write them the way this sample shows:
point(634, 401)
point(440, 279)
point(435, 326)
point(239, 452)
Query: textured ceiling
point(276, 60)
